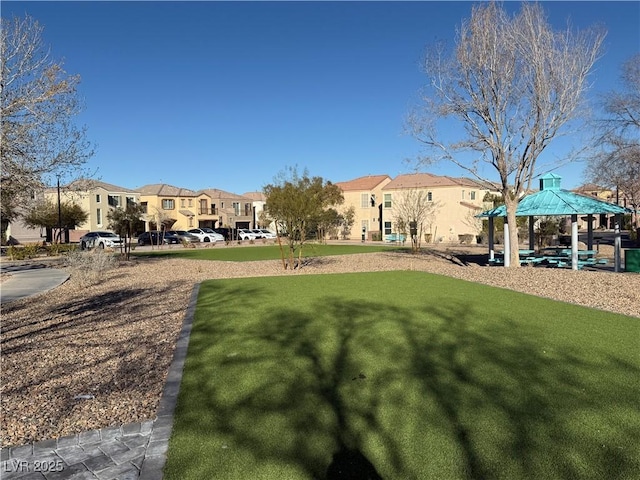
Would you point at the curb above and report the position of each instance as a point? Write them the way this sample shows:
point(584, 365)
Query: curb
point(155, 460)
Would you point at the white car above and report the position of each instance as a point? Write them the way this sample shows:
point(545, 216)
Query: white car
point(207, 235)
point(264, 233)
point(100, 240)
point(245, 234)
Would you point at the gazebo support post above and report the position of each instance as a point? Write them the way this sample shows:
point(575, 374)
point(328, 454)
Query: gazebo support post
point(491, 240)
point(507, 244)
point(590, 232)
point(532, 243)
point(617, 244)
point(574, 242)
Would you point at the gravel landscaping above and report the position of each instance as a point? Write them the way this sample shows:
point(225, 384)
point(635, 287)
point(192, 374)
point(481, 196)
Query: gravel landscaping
point(86, 357)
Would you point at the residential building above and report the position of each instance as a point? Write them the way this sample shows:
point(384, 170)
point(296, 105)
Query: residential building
point(456, 201)
point(365, 195)
point(97, 199)
point(233, 211)
point(176, 208)
point(258, 201)
point(18, 232)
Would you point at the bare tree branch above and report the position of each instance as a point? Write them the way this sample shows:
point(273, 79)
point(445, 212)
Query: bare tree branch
point(513, 84)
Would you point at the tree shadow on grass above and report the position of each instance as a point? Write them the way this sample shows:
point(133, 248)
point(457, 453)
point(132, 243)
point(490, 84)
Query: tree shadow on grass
point(413, 394)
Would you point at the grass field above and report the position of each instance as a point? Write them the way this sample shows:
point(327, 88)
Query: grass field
point(406, 375)
point(260, 252)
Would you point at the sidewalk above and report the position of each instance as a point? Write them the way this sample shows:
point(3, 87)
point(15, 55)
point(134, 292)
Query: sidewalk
point(27, 280)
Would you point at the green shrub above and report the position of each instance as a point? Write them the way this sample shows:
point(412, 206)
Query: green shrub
point(15, 253)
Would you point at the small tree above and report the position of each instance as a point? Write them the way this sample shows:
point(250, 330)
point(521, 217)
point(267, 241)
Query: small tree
point(412, 212)
point(45, 214)
point(124, 222)
point(295, 203)
point(348, 219)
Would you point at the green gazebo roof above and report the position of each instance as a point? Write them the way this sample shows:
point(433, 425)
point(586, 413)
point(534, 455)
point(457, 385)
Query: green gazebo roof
point(551, 200)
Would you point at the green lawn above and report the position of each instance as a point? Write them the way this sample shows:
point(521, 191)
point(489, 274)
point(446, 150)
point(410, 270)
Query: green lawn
point(414, 375)
point(253, 253)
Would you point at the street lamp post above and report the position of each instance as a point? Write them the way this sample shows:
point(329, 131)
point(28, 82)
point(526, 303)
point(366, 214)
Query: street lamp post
point(59, 212)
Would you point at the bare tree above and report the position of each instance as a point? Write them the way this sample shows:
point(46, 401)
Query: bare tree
point(514, 83)
point(617, 165)
point(38, 101)
point(413, 210)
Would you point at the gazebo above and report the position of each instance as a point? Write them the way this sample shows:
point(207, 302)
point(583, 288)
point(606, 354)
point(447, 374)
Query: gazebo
point(551, 200)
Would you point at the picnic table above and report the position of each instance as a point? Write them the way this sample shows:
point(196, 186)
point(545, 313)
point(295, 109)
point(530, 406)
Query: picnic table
point(553, 257)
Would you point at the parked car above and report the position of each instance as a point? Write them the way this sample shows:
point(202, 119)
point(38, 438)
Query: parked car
point(184, 236)
point(227, 233)
point(100, 240)
point(246, 234)
point(207, 235)
point(266, 233)
point(155, 237)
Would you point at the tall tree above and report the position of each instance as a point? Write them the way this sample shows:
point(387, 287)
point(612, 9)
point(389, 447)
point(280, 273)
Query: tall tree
point(513, 83)
point(38, 103)
point(295, 203)
point(617, 165)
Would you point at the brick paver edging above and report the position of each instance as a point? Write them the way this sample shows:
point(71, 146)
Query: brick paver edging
point(155, 458)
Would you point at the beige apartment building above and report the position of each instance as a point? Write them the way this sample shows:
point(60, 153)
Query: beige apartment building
point(232, 210)
point(175, 208)
point(456, 201)
point(364, 194)
point(96, 198)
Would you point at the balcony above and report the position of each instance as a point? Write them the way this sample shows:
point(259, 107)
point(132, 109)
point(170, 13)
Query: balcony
point(208, 211)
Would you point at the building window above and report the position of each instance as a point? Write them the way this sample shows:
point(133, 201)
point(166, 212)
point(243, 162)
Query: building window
point(473, 195)
point(99, 216)
point(387, 200)
point(98, 198)
point(168, 204)
point(183, 203)
point(247, 209)
point(364, 200)
point(373, 199)
point(462, 194)
point(191, 221)
point(429, 196)
point(387, 228)
point(143, 205)
point(113, 200)
point(190, 202)
point(236, 208)
point(131, 201)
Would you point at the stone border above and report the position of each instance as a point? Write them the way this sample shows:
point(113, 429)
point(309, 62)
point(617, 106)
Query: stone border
point(156, 456)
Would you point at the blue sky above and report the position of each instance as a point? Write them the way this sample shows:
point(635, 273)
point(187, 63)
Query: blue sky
point(227, 94)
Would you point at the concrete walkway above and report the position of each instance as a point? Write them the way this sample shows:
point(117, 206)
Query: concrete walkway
point(27, 280)
point(127, 452)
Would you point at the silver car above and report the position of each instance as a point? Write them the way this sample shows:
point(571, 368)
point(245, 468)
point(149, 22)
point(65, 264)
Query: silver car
point(100, 240)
